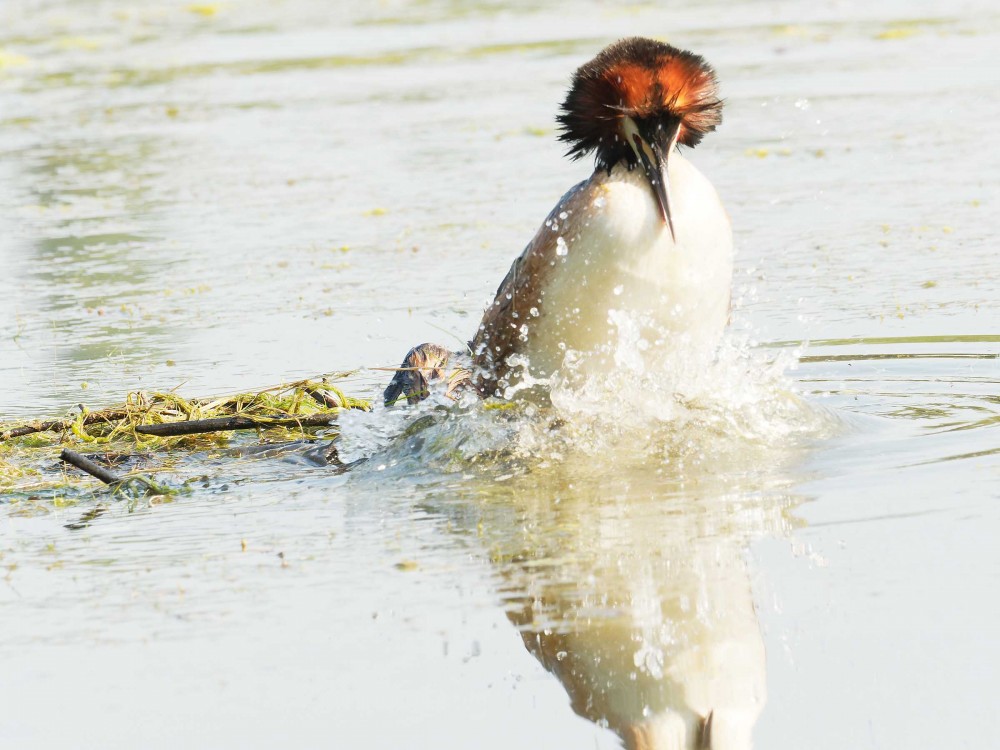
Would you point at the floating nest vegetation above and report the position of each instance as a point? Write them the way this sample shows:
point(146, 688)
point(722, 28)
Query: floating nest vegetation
point(153, 424)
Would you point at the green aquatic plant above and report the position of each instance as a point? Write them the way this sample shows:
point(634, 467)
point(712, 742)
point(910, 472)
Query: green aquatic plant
point(154, 423)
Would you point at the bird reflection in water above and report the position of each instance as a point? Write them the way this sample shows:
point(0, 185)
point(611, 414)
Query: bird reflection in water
point(637, 597)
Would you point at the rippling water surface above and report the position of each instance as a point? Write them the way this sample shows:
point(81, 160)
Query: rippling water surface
point(799, 542)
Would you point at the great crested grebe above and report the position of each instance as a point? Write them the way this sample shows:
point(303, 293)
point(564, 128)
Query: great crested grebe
point(645, 237)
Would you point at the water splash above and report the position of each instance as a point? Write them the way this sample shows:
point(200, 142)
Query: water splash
point(662, 402)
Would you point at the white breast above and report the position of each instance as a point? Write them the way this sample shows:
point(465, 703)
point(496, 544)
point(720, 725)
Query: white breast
point(619, 273)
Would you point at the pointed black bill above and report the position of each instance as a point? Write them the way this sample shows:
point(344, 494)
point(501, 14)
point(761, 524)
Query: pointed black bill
point(659, 144)
point(705, 732)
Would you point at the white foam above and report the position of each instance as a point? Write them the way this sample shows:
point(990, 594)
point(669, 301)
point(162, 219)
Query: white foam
point(658, 404)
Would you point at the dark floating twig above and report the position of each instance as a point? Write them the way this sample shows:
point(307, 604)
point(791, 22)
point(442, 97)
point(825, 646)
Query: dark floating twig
point(268, 405)
point(85, 464)
point(221, 424)
point(59, 425)
point(133, 483)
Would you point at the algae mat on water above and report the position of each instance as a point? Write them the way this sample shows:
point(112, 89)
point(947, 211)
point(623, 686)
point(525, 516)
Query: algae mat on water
point(151, 429)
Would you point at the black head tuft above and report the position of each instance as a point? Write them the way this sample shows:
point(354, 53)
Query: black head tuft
point(652, 83)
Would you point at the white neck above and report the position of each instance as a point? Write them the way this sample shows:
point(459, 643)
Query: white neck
point(622, 270)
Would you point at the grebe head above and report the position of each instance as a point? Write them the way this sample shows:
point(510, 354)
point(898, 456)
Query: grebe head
point(634, 103)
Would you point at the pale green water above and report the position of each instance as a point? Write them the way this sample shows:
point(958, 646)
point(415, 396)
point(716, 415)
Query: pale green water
point(281, 189)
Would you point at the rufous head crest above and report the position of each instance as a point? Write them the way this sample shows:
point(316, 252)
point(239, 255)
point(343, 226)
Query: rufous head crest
point(648, 81)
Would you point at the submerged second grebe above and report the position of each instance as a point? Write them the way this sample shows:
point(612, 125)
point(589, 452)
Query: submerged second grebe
point(644, 239)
